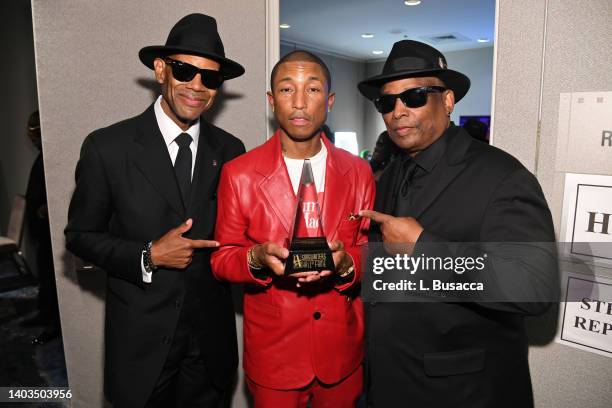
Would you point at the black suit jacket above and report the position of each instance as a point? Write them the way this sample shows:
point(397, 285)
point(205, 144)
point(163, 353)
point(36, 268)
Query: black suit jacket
point(126, 195)
point(428, 355)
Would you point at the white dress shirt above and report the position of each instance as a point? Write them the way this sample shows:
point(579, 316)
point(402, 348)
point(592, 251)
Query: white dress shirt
point(318, 163)
point(170, 131)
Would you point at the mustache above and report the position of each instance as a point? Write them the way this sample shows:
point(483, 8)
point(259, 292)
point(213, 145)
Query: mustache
point(410, 125)
point(197, 96)
point(300, 116)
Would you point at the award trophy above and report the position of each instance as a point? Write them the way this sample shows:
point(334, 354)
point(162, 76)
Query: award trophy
point(308, 250)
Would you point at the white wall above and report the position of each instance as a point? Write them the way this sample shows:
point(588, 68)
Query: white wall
point(477, 64)
point(372, 120)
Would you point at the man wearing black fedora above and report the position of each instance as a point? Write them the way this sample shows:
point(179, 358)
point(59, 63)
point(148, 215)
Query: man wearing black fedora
point(143, 210)
point(446, 187)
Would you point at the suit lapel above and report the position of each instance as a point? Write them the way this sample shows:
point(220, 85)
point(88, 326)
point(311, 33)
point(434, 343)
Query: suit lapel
point(153, 160)
point(441, 177)
point(277, 190)
point(451, 164)
point(337, 188)
point(207, 166)
point(386, 191)
point(276, 187)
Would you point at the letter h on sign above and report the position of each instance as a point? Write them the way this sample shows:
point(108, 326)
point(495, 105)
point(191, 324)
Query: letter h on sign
point(605, 222)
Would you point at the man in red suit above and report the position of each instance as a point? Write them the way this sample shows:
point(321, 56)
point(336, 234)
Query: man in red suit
point(303, 333)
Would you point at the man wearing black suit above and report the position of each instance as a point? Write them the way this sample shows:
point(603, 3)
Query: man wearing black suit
point(446, 187)
point(144, 209)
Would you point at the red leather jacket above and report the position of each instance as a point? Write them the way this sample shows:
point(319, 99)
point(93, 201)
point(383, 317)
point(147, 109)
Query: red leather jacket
point(293, 334)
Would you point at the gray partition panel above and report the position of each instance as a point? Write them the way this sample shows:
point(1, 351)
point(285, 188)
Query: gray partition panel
point(577, 59)
point(575, 40)
point(518, 69)
point(89, 76)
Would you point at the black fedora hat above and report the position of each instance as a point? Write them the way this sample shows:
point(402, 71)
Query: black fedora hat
point(194, 34)
point(409, 59)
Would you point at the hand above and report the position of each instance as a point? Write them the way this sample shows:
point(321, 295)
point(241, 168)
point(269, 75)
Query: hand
point(342, 261)
point(395, 230)
point(174, 251)
point(272, 256)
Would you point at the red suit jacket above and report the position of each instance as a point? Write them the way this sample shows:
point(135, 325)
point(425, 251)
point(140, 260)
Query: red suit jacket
point(293, 334)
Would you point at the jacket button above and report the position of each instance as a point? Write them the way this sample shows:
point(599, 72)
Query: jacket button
point(177, 304)
point(317, 315)
point(373, 304)
point(166, 340)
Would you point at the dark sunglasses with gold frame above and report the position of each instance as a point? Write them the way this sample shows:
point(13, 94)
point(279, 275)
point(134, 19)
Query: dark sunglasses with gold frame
point(184, 72)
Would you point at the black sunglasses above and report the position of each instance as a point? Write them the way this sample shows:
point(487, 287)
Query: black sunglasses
point(185, 72)
point(412, 98)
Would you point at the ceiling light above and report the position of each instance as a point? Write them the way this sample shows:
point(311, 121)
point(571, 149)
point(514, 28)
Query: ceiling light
point(412, 2)
point(367, 35)
point(284, 26)
point(377, 52)
point(483, 40)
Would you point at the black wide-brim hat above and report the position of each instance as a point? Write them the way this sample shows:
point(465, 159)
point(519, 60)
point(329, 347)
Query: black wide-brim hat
point(194, 34)
point(409, 59)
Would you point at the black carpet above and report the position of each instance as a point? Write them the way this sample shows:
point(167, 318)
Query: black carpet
point(23, 364)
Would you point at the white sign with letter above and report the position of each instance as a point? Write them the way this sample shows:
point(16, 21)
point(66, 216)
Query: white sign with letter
point(585, 318)
point(586, 315)
point(584, 142)
point(586, 223)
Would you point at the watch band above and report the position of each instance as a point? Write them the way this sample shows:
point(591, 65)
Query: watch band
point(346, 276)
point(253, 263)
point(148, 264)
point(256, 268)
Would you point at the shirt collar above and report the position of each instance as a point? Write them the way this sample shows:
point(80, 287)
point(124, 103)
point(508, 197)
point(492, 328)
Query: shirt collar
point(428, 158)
point(171, 130)
point(320, 155)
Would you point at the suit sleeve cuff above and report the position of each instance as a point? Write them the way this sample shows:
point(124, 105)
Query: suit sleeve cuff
point(146, 276)
point(427, 236)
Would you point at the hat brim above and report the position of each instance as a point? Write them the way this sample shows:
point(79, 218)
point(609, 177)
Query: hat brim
point(454, 80)
point(228, 68)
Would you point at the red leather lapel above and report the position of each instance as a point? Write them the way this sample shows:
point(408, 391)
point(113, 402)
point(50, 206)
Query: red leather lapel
point(337, 189)
point(276, 187)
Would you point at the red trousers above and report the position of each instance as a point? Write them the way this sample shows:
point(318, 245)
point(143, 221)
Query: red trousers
point(341, 395)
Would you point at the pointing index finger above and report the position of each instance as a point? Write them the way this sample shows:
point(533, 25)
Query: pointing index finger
point(203, 243)
point(375, 216)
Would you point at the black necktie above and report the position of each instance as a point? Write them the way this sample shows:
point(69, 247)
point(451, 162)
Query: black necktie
point(182, 165)
point(404, 199)
point(409, 167)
